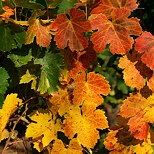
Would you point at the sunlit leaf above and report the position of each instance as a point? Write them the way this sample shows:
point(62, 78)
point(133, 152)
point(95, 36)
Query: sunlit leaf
point(140, 111)
point(88, 88)
point(36, 29)
point(85, 124)
point(107, 6)
point(115, 31)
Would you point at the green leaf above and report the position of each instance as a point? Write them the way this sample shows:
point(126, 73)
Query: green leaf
point(1, 6)
point(50, 71)
point(28, 4)
point(65, 5)
point(3, 80)
point(20, 60)
point(12, 36)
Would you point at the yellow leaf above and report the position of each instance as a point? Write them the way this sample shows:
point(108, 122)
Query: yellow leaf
point(73, 148)
point(26, 78)
point(8, 108)
point(45, 127)
point(85, 124)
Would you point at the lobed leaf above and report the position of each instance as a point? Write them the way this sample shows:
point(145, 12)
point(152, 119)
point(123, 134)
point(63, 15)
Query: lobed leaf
point(88, 88)
point(115, 31)
point(70, 31)
point(145, 44)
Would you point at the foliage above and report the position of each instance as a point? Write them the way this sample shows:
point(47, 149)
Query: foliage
point(77, 76)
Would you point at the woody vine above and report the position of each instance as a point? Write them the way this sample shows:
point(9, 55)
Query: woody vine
point(54, 87)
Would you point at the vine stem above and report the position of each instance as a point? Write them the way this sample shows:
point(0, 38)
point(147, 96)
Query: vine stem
point(8, 140)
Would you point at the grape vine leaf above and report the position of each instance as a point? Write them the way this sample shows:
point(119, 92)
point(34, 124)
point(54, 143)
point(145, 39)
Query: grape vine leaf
point(42, 32)
point(4, 76)
point(115, 31)
point(44, 129)
point(50, 71)
point(145, 44)
point(89, 88)
point(65, 5)
point(60, 103)
point(73, 147)
point(70, 31)
point(12, 36)
point(107, 6)
point(20, 60)
point(140, 111)
point(85, 124)
point(8, 108)
point(114, 142)
point(131, 75)
point(79, 61)
point(26, 78)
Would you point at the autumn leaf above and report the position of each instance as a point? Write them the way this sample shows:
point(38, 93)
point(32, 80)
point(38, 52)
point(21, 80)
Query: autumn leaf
point(107, 6)
point(41, 32)
point(111, 143)
point(131, 75)
point(44, 129)
point(60, 103)
point(26, 78)
point(145, 44)
point(8, 12)
point(90, 87)
point(9, 107)
point(85, 124)
point(115, 31)
point(73, 147)
point(70, 30)
point(140, 111)
point(79, 61)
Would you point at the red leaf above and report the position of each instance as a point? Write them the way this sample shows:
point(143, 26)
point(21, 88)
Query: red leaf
point(145, 44)
point(70, 31)
point(79, 61)
point(107, 6)
point(115, 31)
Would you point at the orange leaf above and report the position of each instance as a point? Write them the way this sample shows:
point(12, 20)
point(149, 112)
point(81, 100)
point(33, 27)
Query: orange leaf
point(115, 31)
point(73, 147)
point(145, 44)
point(126, 145)
point(85, 124)
point(107, 6)
point(131, 75)
point(41, 32)
point(70, 31)
point(8, 12)
point(140, 111)
point(88, 88)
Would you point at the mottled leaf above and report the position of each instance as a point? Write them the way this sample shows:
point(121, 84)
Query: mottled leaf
point(88, 88)
point(70, 30)
point(50, 71)
point(85, 124)
point(145, 44)
point(41, 32)
point(115, 31)
point(107, 6)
